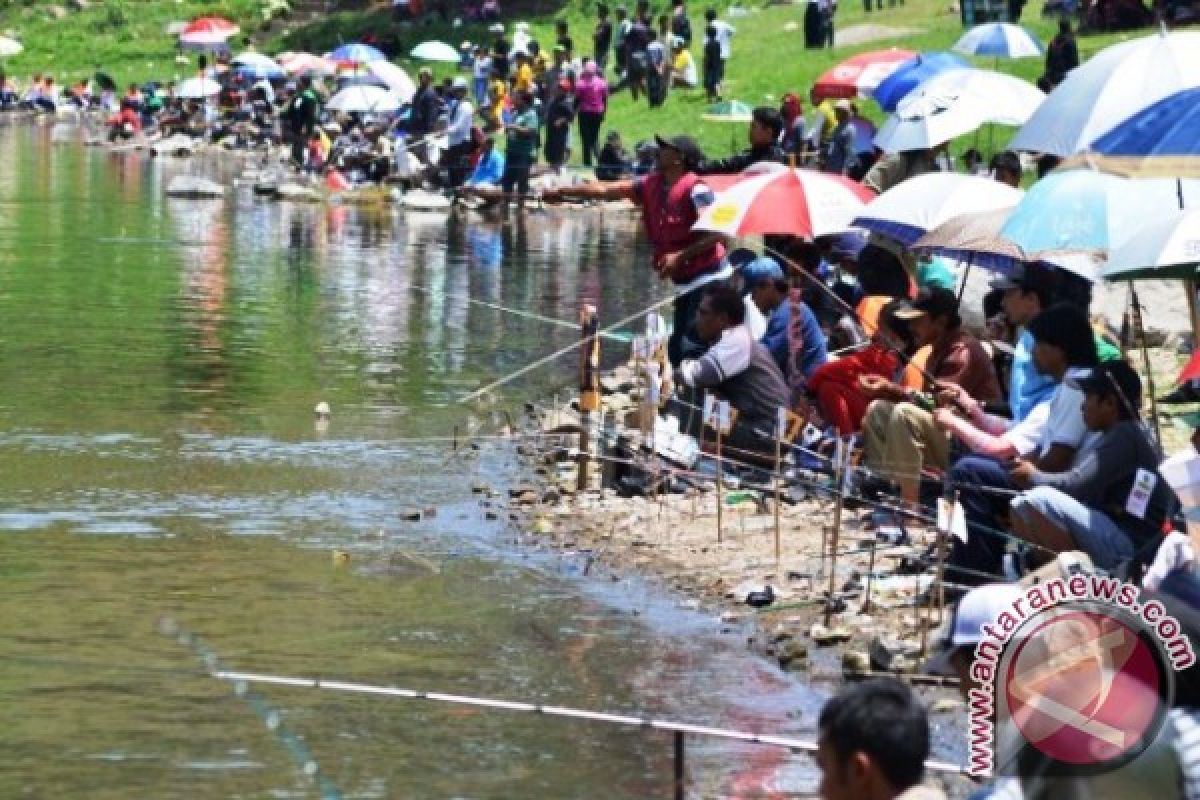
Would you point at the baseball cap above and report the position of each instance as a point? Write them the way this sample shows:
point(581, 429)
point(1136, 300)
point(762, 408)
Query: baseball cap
point(1110, 379)
point(848, 245)
point(934, 301)
point(684, 145)
point(459, 82)
point(978, 607)
point(740, 257)
point(843, 105)
point(761, 270)
point(1012, 280)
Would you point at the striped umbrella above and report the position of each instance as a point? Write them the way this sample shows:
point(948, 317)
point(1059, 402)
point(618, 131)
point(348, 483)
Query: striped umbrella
point(207, 33)
point(794, 202)
point(860, 74)
point(999, 40)
point(912, 73)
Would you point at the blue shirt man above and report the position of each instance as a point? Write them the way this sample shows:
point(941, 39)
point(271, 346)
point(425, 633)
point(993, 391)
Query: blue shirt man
point(797, 349)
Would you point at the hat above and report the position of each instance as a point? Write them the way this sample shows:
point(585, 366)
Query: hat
point(459, 83)
point(1110, 379)
point(684, 145)
point(1013, 280)
point(843, 105)
point(761, 270)
point(934, 301)
point(981, 606)
point(847, 246)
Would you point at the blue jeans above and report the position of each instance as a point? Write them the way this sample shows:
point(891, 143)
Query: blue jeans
point(1093, 531)
point(985, 511)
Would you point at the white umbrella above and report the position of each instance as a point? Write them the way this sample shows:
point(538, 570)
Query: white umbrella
point(365, 100)
point(306, 64)
point(927, 120)
point(9, 47)
point(1166, 248)
point(395, 78)
point(197, 89)
point(435, 51)
point(258, 63)
point(910, 209)
point(1108, 88)
point(1006, 100)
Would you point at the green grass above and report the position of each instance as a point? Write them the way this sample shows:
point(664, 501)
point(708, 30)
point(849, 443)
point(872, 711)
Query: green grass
point(768, 58)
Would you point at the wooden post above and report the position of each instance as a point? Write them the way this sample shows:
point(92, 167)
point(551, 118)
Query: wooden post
point(720, 485)
point(589, 387)
point(839, 486)
point(1150, 390)
point(680, 769)
point(866, 606)
point(780, 432)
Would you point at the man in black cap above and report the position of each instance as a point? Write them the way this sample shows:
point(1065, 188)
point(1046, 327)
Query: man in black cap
point(1112, 503)
point(671, 198)
point(765, 126)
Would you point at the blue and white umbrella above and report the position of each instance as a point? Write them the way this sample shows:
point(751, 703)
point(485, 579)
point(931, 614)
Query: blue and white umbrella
point(258, 66)
point(356, 53)
point(910, 209)
point(999, 40)
point(911, 74)
point(435, 51)
point(1157, 142)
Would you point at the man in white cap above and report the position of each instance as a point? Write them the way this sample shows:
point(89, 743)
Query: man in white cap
point(459, 144)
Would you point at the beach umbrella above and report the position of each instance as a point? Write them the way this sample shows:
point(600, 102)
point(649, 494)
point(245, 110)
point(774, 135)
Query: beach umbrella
point(911, 74)
point(860, 74)
point(356, 53)
point(1085, 210)
point(795, 202)
point(1006, 100)
point(197, 89)
point(435, 51)
point(9, 47)
point(1159, 141)
point(364, 99)
point(256, 65)
point(912, 208)
point(728, 111)
point(306, 64)
point(927, 120)
point(207, 33)
point(1108, 88)
point(1168, 247)
point(999, 40)
point(394, 78)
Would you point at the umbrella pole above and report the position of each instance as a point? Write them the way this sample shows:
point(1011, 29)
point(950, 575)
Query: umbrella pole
point(1141, 334)
point(962, 288)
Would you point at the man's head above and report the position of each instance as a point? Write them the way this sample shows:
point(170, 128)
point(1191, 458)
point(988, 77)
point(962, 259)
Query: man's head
point(710, 15)
point(1006, 168)
point(459, 86)
point(720, 309)
point(765, 126)
point(621, 12)
point(1064, 25)
point(677, 155)
point(893, 332)
point(560, 27)
point(872, 741)
point(843, 110)
point(763, 279)
point(602, 11)
point(933, 314)
point(1112, 393)
point(1027, 291)
point(424, 76)
point(1062, 339)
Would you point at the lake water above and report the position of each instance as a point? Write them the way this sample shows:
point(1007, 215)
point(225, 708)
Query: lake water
point(159, 363)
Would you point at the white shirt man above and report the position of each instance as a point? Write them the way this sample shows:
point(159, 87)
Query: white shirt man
point(725, 33)
point(458, 127)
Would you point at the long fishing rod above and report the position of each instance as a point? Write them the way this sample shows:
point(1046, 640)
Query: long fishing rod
point(324, 684)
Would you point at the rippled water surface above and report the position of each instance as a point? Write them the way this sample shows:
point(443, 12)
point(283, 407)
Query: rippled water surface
point(159, 363)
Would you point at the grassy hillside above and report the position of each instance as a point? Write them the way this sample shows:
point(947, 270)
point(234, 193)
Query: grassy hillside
point(128, 38)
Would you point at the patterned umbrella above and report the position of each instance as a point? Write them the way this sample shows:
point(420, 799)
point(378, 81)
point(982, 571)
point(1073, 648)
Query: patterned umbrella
point(860, 74)
point(999, 40)
point(911, 74)
point(795, 202)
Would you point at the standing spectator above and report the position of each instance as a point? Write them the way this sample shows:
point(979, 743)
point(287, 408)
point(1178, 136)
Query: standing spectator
point(497, 102)
point(1062, 55)
point(725, 33)
point(563, 39)
point(827, 8)
point(601, 38)
point(656, 69)
point(840, 156)
point(680, 25)
point(523, 76)
point(520, 151)
point(559, 114)
point(426, 107)
point(481, 70)
point(813, 33)
point(301, 114)
point(637, 56)
point(619, 45)
point(551, 83)
point(460, 144)
point(521, 38)
point(500, 57)
point(591, 96)
point(712, 65)
point(793, 135)
point(683, 67)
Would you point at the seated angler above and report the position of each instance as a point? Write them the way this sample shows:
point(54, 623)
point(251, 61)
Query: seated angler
point(1112, 503)
point(793, 337)
point(899, 431)
point(737, 369)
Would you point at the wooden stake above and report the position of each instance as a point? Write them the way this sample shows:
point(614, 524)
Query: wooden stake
point(866, 606)
point(780, 431)
point(720, 484)
point(1141, 333)
point(840, 473)
point(589, 387)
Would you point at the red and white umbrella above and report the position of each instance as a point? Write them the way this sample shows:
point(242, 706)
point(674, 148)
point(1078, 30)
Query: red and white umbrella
point(860, 74)
point(793, 202)
point(305, 64)
point(207, 32)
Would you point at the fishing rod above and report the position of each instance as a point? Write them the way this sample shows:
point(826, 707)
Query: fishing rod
point(627, 720)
